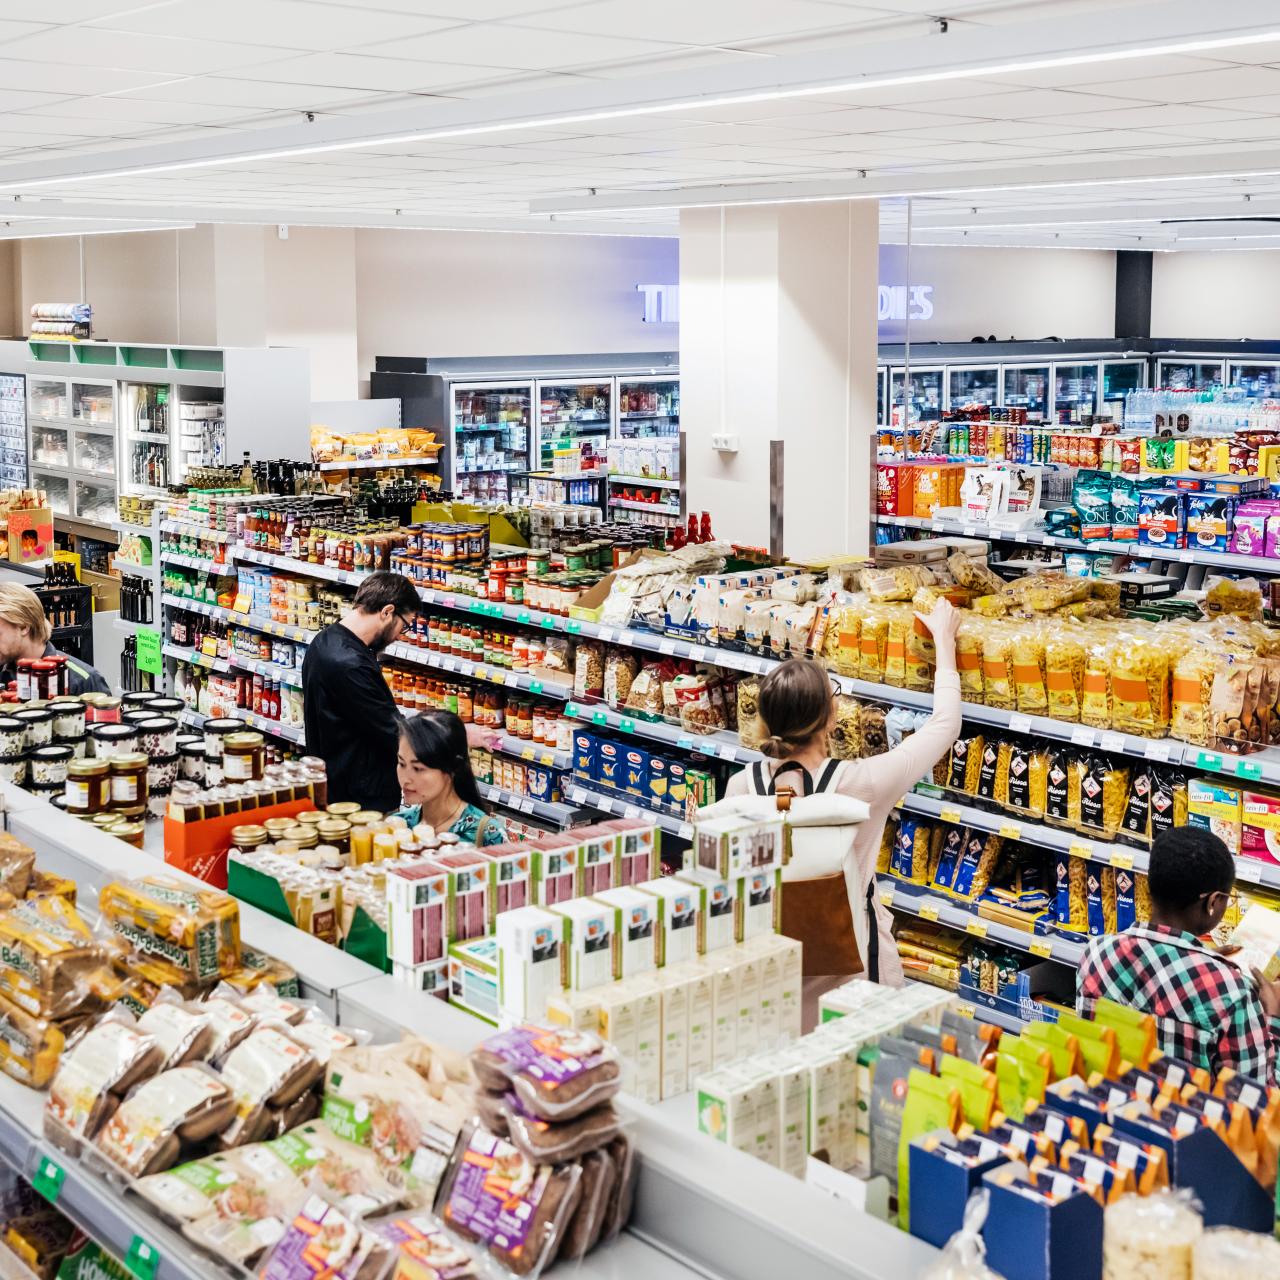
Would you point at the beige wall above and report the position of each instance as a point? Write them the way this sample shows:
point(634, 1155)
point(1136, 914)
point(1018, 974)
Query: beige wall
point(1216, 295)
point(462, 293)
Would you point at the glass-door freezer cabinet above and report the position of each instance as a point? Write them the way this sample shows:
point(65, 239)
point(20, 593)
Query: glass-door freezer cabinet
point(573, 416)
point(72, 427)
point(491, 425)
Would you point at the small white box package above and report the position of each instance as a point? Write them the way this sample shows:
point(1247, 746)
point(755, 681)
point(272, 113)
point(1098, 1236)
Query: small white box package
point(701, 1016)
point(528, 961)
point(759, 904)
point(736, 845)
point(637, 922)
point(823, 1071)
point(748, 1033)
point(719, 901)
point(675, 1032)
point(648, 1004)
point(575, 1010)
point(727, 1108)
point(792, 1076)
point(587, 941)
point(769, 1023)
point(680, 918)
point(724, 1008)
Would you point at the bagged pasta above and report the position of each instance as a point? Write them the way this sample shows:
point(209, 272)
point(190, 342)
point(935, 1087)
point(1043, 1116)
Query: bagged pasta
point(1226, 1253)
point(920, 656)
point(843, 644)
point(1062, 788)
point(588, 670)
point(871, 729)
point(845, 741)
point(1191, 692)
point(1239, 598)
point(1100, 902)
point(1140, 684)
point(1104, 793)
point(751, 730)
point(1071, 898)
point(966, 763)
point(621, 667)
point(1150, 1237)
point(997, 667)
point(1017, 791)
point(969, 640)
point(1029, 678)
point(644, 698)
point(1064, 659)
point(973, 574)
point(989, 769)
point(895, 658)
point(874, 645)
point(1095, 700)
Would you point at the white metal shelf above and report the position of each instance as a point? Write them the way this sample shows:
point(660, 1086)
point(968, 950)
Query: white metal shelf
point(195, 657)
point(1037, 538)
point(510, 745)
point(129, 626)
point(561, 814)
point(367, 464)
point(202, 564)
point(626, 504)
point(286, 564)
point(920, 901)
point(652, 482)
point(598, 797)
point(290, 733)
point(196, 530)
point(300, 635)
point(723, 744)
point(480, 671)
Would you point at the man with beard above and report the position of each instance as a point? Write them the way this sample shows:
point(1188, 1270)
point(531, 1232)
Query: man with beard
point(351, 719)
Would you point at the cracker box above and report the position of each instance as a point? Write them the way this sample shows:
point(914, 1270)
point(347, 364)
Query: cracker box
point(1216, 807)
point(598, 859)
point(468, 907)
point(735, 845)
point(759, 904)
point(1260, 830)
point(528, 961)
point(727, 1108)
point(637, 928)
point(417, 898)
point(510, 877)
point(555, 868)
point(587, 943)
point(719, 898)
point(637, 849)
point(473, 978)
point(681, 917)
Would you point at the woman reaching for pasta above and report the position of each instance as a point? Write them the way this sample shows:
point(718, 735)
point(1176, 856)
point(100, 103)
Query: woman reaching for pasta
point(798, 709)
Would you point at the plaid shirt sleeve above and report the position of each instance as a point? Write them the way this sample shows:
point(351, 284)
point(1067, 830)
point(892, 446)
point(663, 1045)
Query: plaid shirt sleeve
point(1248, 1040)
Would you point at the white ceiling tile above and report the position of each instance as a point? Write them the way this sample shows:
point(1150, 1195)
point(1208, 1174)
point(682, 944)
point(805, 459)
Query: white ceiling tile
point(1168, 116)
point(461, 10)
point(1095, 77)
point(285, 24)
point(354, 71)
point(40, 77)
point(231, 91)
point(120, 107)
point(1202, 86)
point(519, 47)
point(933, 92)
point(1231, 130)
point(96, 47)
point(18, 100)
point(675, 62)
point(1030, 104)
point(715, 22)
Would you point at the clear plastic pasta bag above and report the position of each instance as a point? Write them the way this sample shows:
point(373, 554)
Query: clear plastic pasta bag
point(1150, 1237)
point(964, 1256)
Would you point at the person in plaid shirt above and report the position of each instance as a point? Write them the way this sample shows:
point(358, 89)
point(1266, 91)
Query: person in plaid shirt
point(1208, 1012)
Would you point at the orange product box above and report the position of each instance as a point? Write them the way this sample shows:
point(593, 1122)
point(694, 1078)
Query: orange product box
point(930, 490)
point(895, 486)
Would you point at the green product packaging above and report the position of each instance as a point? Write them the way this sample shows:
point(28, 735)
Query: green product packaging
point(1022, 1075)
point(932, 1103)
point(1098, 1046)
point(1064, 1047)
point(1135, 1031)
point(977, 1088)
point(1091, 496)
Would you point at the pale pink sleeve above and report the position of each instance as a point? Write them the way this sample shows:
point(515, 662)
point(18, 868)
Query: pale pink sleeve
point(883, 780)
point(737, 785)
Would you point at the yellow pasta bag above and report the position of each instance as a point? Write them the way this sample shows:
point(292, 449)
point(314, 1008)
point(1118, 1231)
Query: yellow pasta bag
point(1071, 901)
point(919, 656)
point(1104, 795)
point(1028, 654)
point(872, 645)
point(1140, 684)
point(843, 644)
point(895, 659)
point(1004, 758)
point(1191, 687)
point(887, 838)
point(1095, 701)
point(1141, 899)
point(997, 667)
point(1038, 782)
point(969, 658)
point(1064, 661)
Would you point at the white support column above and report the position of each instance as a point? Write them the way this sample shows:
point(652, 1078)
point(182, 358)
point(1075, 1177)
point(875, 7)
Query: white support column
point(778, 341)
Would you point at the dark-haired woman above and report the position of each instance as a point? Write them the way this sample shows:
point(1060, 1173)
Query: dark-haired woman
point(798, 709)
point(436, 781)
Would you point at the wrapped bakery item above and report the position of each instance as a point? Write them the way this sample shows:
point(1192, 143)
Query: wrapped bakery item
point(94, 1073)
point(1150, 1237)
point(599, 1174)
point(964, 1255)
point(497, 1197)
point(183, 1034)
point(17, 866)
point(323, 1242)
point(424, 1250)
point(145, 1135)
point(1227, 1253)
point(316, 1033)
point(51, 963)
point(557, 1073)
point(545, 1141)
point(30, 1046)
point(268, 1068)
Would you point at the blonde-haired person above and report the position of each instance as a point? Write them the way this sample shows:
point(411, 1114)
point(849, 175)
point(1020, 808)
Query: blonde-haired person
point(797, 706)
point(25, 632)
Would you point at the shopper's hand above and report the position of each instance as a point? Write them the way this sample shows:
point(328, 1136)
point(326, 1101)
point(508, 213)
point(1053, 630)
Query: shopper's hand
point(943, 623)
point(1268, 994)
point(481, 738)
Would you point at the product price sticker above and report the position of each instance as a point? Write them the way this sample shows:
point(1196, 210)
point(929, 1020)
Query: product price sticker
point(498, 677)
point(573, 627)
point(599, 717)
point(571, 708)
point(604, 803)
point(685, 743)
point(697, 653)
point(606, 634)
point(727, 752)
point(547, 758)
point(632, 811)
point(525, 806)
point(929, 911)
point(1158, 751)
point(1041, 948)
point(142, 1258)
point(1081, 849)
point(1249, 769)
point(548, 624)
point(48, 1178)
point(686, 831)
point(667, 647)
point(1011, 830)
point(627, 725)
point(1112, 742)
point(1020, 723)
point(1208, 760)
point(886, 896)
point(1249, 869)
point(1083, 737)
point(535, 686)
point(528, 753)
point(949, 813)
point(1122, 860)
point(976, 927)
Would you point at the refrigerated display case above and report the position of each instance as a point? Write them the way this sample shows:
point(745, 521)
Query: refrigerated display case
point(1026, 386)
point(573, 415)
point(648, 407)
point(1119, 377)
point(148, 434)
point(1075, 391)
point(978, 385)
point(926, 393)
point(490, 432)
point(72, 425)
point(1258, 379)
point(1188, 375)
point(13, 430)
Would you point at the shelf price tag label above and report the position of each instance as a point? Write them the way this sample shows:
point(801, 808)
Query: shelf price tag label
point(627, 725)
point(447, 601)
point(697, 653)
point(527, 754)
point(1249, 869)
point(525, 806)
point(599, 717)
point(685, 743)
point(1020, 723)
point(1011, 830)
point(1081, 849)
point(142, 1258)
point(522, 615)
point(1112, 742)
point(1122, 860)
point(498, 677)
point(886, 896)
point(1083, 737)
point(929, 911)
point(1158, 750)
point(48, 1178)
point(948, 813)
point(1249, 769)
point(976, 927)
point(606, 634)
point(573, 627)
point(571, 709)
point(535, 686)
point(667, 647)
point(547, 758)
point(148, 652)
point(1041, 948)
point(1208, 760)
point(548, 624)
point(727, 752)
point(686, 831)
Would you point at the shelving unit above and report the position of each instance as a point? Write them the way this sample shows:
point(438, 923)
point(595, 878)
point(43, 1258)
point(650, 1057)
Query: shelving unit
point(480, 671)
point(377, 464)
point(563, 815)
point(629, 806)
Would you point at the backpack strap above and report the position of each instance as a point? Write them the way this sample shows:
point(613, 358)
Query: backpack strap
point(828, 775)
point(757, 778)
point(873, 934)
point(785, 768)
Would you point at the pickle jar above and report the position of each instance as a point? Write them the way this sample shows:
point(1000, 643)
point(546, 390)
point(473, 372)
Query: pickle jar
point(243, 757)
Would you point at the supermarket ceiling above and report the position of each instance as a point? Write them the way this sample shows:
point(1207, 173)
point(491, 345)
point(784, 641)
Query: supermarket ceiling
point(1078, 123)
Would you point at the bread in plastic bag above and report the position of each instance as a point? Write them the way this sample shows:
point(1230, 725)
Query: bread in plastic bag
point(622, 1194)
point(557, 1074)
point(184, 1034)
point(268, 1068)
point(585, 1227)
point(497, 1197)
point(325, 1242)
point(425, 1250)
point(1150, 1237)
point(556, 1141)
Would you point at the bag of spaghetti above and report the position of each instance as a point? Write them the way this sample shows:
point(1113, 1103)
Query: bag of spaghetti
point(969, 640)
point(997, 666)
point(1029, 677)
point(1140, 683)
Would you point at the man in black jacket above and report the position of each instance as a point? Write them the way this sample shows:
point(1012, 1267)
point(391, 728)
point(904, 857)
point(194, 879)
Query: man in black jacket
point(351, 719)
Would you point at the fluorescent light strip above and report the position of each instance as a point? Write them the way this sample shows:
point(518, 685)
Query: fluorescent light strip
point(865, 83)
point(15, 233)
